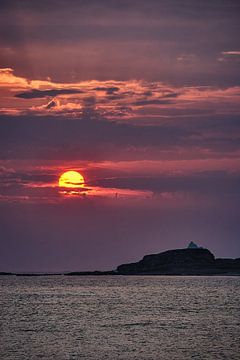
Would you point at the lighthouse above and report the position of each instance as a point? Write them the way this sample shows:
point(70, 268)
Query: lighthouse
point(192, 245)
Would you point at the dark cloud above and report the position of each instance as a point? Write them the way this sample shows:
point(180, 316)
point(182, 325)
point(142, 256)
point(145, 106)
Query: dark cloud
point(89, 102)
point(51, 104)
point(91, 9)
point(109, 90)
point(152, 102)
point(170, 95)
point(92, 137)
point(207, 182)
point(147, 93)
point(137, 40)
point(84, 138)
point(162, 100)
point(37, 94)
point(17, 179)
point(115, 97)
point(36, 177)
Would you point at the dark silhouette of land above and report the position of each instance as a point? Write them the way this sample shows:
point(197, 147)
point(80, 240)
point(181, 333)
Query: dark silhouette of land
point(5, 273)
point(193, 260)
point(190, 261)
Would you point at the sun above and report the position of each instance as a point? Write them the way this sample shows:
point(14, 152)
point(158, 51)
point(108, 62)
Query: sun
point(71, 179)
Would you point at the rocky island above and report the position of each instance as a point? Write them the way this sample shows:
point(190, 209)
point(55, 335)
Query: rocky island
point(192, 260)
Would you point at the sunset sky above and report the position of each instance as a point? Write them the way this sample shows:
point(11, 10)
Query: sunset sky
point(140, 97)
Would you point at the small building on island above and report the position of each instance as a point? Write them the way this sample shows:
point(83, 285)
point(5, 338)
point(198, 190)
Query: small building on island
point(192, 245)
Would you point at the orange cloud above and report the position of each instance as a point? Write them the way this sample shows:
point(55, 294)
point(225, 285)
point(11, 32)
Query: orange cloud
point(112, 99)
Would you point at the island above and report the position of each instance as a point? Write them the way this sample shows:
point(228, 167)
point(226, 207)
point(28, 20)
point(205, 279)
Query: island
point(193, 260)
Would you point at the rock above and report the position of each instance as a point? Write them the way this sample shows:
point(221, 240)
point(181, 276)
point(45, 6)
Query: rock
point(190, 261)
point(227, 265)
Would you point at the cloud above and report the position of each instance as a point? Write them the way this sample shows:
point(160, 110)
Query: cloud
point(109, 90)
point(208, 182)
point(37, 94)
point(139, 97)
point(164, 95)
point(89, 102)
point(149, 46)
point(9, 80)
point(91, 137)
point(231, 53)
point(187, 59)
point(230, 56)
point(41, 185)
point(171, 95)
point(152, 102)
point(51, 104)
point(10, 176)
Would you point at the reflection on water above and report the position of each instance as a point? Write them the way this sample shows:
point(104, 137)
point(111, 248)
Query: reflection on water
point(125, 318)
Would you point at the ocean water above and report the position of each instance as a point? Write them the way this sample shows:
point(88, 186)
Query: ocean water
point(138, 317)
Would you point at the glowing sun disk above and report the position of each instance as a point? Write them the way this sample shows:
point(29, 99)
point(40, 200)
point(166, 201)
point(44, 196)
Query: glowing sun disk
point(71, 179)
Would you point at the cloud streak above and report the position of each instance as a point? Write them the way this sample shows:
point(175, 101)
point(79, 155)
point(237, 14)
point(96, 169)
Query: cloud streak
point(38, 94)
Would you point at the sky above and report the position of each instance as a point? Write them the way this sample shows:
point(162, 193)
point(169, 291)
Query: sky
point(140, 97)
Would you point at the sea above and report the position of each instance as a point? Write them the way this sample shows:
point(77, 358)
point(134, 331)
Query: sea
point(119, 317)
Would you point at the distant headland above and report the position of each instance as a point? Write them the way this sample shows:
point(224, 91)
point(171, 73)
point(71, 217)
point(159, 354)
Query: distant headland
point(193, 260)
